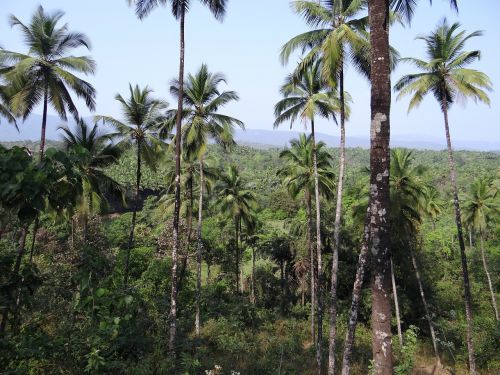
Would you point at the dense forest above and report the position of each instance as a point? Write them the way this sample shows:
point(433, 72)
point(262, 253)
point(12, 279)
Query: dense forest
point(163, 247)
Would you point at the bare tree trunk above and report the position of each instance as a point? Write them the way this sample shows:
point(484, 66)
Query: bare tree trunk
point(252, 292)
point(463, 256)
point(336, 232)
point(15, 275)
point(356, 296)
point(134, 216)
point(175, 247)
point(396, 305)
point(319, 351)
point(490, 284)
point(378, 12)
point(426, 307)
point(312, 267)
point(199, 250)
point(236, 237)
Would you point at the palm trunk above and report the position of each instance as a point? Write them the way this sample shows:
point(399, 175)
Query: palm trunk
point(44, 121)
point(458, 220)
point(190, 213)
point(33, 239)
point(236, 237)
point(312, 267)
point(319, 352)
point(198, 253)
point(175, 247)
point(426, 307)
point(240, 256)
point(378, 12)
point(396, 305)
point(134, 215)
point(15, 275)
point(252, 295)
point(356, 296)
point(336, 233)
point(490, 285)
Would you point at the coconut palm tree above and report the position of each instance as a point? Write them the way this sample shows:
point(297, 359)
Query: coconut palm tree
point(446, 77)
point(203, 122)
point(142, 120)
point(238, 202)
point(179, 8)
point(45, 73)
point(95, 152)
point(341, 39)
point(482, 208)
point(5, 110)
point(298, 177)
point(306, 97)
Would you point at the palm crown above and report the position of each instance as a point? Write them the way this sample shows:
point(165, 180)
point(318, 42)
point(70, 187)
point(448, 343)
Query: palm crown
point(444, 73)
point(202, 101)
point(298, 172)
point(482, 205)
point(46, 70)
point(142, 120)
point(177, 7)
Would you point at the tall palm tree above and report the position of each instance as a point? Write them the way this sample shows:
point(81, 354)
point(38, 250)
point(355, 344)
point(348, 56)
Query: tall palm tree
point(237, 201)
point(341, 39)
point(179, 8)
point(445, 76)
point(45, 73)
point(202, 101)
point(482, 208)
point(380, 67)
point(306, 97)
point(298, 176)
point(142, 120)
point(411, 198)
point(95, 152)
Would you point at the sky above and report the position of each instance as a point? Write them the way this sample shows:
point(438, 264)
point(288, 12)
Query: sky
point(245, 47)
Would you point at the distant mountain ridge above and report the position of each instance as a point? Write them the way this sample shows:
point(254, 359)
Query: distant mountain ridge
point(259, 138)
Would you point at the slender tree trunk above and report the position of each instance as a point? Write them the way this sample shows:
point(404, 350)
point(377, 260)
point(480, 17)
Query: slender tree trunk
point(199, 250)
point(44, 121)
point(319, 351)
point(252, 295)
point(240, 256)
point(312, 267)
point(378, 12)
point(396, 305)
point(426, 306)
point(33, 239)
point(134, 215)
point(236, 237)
point(190, 213)
point(336, 232)
point(15, 275)
point(463, 256)
point(356, 297)
point(490, 284)
point(175, 247)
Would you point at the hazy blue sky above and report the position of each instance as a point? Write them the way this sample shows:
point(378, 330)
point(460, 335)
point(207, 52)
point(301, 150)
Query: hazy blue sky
point(246, 46)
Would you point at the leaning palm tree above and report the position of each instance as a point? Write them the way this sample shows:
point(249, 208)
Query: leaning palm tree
point(142, 121)
point(179, 8)
point(482, 208)
point(95, 153)
point(45, 73)
point(238, 202)
point(306, 97)
point(298, 177)
point(202, 101)
point(445, 76)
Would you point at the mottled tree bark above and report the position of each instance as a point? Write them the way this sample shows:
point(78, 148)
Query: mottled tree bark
point(463, 256)
point(378, 12)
